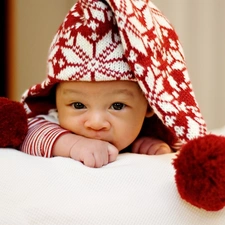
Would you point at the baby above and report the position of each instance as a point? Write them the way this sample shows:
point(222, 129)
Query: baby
point(116, 82)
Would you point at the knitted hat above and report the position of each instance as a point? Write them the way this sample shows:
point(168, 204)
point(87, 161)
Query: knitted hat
point(123, 40)
point(132, 40)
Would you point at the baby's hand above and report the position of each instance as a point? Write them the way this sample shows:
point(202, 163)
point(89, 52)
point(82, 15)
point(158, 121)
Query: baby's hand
point(93, 153)
point(150, 146)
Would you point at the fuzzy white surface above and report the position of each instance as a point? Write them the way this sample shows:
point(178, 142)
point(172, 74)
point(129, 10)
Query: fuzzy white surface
point(133, 190)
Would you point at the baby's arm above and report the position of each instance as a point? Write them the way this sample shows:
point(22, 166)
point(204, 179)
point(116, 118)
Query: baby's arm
point(150, 146)
point(48, 139)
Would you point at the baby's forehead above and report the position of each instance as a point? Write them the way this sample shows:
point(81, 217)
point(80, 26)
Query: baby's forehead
point(128, 88)
point(111, 84)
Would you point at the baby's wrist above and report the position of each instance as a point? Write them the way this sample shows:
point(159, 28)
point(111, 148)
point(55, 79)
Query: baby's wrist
point(64, 144)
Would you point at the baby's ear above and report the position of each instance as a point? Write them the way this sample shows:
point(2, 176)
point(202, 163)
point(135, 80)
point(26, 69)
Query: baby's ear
point(149, 112)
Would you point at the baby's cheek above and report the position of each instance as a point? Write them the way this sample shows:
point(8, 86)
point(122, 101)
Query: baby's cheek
point(125, 141)
point(66, 123)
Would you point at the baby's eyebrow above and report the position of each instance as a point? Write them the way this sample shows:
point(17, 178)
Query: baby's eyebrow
point(124, 92)
point(72, 91)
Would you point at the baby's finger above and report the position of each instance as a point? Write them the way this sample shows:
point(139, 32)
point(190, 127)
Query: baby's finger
point(88, 160)
point(112, 153)
point(101, 158)
point(163, 149)
point(141, 146)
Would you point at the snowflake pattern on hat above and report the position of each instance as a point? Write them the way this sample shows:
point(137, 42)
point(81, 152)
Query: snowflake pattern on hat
point(123, 40)
point(87, 46)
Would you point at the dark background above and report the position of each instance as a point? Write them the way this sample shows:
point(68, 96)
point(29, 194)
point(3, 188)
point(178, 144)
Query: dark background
point(3, 46)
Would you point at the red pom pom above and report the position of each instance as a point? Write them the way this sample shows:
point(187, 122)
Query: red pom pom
point(200, 172)
point(13, 123)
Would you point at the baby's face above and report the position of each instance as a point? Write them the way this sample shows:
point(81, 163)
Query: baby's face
point(112, 111)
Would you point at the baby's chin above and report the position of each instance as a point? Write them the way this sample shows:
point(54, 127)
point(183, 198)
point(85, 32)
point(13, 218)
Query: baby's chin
point(123, 143)
point(121, 147)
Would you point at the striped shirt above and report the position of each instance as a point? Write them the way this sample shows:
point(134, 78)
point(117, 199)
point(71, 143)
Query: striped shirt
point(41, 136)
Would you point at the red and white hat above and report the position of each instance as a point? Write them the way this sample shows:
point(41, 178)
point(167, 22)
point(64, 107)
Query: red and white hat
point(122, 40)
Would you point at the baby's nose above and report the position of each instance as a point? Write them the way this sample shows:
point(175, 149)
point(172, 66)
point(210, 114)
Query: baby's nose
point(97, 121)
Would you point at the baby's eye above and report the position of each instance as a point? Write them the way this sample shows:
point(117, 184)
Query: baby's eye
point(78, 105)
point(117, 106)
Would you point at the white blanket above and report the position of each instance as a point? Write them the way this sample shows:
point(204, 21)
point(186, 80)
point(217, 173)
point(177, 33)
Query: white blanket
point(133, 190)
